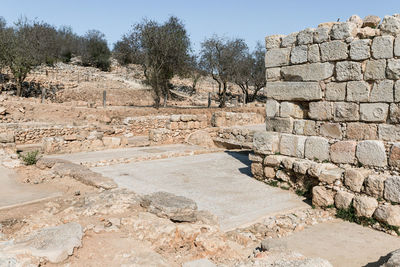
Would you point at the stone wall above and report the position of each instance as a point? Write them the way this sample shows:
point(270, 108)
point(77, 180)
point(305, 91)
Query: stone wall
point(332, 116)
point(224, 119)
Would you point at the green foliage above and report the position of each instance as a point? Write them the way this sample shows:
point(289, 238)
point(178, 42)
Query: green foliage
point(30, 158)
point(273, 183)
point(285, 187)
point(300, 192)
point(96, 52)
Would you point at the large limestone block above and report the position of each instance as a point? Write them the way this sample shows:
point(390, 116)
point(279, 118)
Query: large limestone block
point(289, 40)
point(392, 189)
point(305, 36)
point(354, 178)
point(329, 176)
point(360, 49)
point(273, 41)
point(299, 54)
point(397, 91)
point(393, 69)
point(390, 25)
point(265, 142)
point(321, 110)
point(375, 70)
point(335, 91)
point(343, 199)
point(277, 57)
point(397, 46)
point(314, 54)
point(335, 50)
point(272, 108)
point(304, 127)
point(280, 125)
point(376, 112)
point(299, 91)
point(348, 71)
point(344, 111)
point(358, 91)
point(343, 30)
point(309, 72)
point(374, 185)
point(317, 148)
point(200, 138)
point(343, 152)
point(365, 206)
point(321, 197)
point(394, 157)
point(362, 131)
point(331, 130)
point(371, 153)
point(388, 214)
point(321, 34)
point(388, 132)
point(292, 145)
point(356, 20)
point(394, 113)
point(273, 74)
point(382, 91)
point(289, 109)
point(7, 137)
point(382, 47)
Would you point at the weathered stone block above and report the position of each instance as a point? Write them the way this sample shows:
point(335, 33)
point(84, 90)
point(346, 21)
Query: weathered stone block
point(371, 153)
point(289, 40)
point(298, 91)
point(388, 214)
point(255, 158)
point(365, 206)
point(321, 34)
point(360, 49)
point(343, 111)
point(288, 162)
point(320, 110)
point(321, 197)
point(382, 47)
point(301, 166)
point(393, 69)
point(335, 50)
point(265, 142)
point(343, 30)
point(390, 25)
point(309, 72)
point(317, 148)
point(375, 70)
point(376, 112)
point(305, 127)
point(397, 46)
point(358, 91)
point(329, 176)
point(397, 91)
point(394, 157)
point(354, 178)
point(343, 199)
point(388, 132)
point(272, 108)
point(343, 152)
point(348, 71)
point(382, 91)
point(362, 131)
point(371, 21)
point(392, 189)
point(299, 54)
point(7, 137)
point(277, 57)
point(112, 141)
point(273, 160)
point(273, 41)
point(394, 113)
point(335, 91)
point(269, 172)
point(292, 145)
point(313, 53)
point(289, 109)
point(257, 170)
point(281, 125)
point(374, 185)
point(305, 36)
point(331, 130)
point(273, 74)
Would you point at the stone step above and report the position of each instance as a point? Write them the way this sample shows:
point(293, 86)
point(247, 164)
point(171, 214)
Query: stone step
point(29, 147)
point(138, 141)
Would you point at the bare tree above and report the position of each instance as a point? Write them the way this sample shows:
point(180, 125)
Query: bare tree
point(162, 50)
point(218, 57)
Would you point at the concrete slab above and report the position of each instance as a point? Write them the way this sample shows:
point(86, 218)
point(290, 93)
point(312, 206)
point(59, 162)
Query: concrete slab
point(343, 243)
point(14, 194)
point(218, 182)
point(125, 155)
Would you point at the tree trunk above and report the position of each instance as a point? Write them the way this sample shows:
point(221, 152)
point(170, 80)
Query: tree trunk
point(222, 97)
point(19, 88)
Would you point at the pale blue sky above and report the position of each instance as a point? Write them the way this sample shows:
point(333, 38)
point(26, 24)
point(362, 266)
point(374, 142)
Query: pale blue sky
point(250, 20)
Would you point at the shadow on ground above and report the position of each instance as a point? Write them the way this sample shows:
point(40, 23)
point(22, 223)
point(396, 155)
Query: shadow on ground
point(243, 157)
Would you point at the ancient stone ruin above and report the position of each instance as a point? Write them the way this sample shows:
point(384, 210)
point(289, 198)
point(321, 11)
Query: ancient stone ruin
point(332, 116)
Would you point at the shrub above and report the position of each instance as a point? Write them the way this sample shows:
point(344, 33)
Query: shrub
point(31, 157)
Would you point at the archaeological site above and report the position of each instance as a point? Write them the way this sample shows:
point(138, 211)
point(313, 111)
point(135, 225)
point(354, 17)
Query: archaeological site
point(290, 157)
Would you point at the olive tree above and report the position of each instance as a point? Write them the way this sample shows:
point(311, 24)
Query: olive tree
point(95, 50)
point(218, 58)
point(162, 50)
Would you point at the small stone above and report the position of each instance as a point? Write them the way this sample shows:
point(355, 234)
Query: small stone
point(374, 185)
point(356, 20)
point(382, 47)
point(392, 189)
point(371, 153)
point(269, 172)
point(348, 71)
point(282, 175)
point(368, 33)
point(365, 206)
point(371, 21)
point(317, 148)
point(343, 199)
point(321, 197)
point(343, 152)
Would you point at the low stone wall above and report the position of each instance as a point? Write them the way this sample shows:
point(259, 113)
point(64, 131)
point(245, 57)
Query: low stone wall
point(236, 137)
point(226, 119)
point(143, 124)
